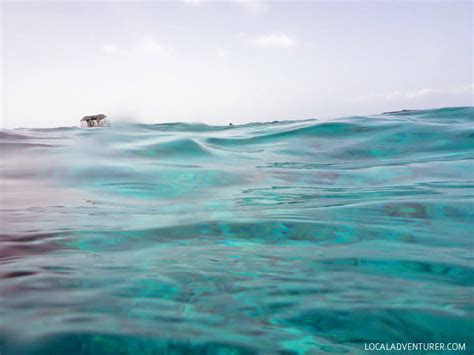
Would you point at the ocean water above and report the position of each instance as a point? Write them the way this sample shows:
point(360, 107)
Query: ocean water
point(284, 237)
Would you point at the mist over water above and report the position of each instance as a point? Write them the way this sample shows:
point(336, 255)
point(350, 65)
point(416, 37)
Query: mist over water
point(298, 236)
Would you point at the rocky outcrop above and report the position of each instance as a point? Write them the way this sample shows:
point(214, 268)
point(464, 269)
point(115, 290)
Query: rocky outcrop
point(94, 121)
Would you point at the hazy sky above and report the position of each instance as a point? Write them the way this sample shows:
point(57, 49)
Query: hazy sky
point(239, 61)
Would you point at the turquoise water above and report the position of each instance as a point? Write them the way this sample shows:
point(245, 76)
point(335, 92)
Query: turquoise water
point(285, 237)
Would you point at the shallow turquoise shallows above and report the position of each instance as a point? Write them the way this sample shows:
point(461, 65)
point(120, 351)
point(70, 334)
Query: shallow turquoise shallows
point(284, 237)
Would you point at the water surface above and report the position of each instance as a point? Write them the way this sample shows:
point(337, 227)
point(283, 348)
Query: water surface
point(289, 237)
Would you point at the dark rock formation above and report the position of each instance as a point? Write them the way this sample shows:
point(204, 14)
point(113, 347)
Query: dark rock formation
point(94, 121)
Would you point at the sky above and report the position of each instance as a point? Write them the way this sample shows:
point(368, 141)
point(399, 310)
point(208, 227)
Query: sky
point(230, 61)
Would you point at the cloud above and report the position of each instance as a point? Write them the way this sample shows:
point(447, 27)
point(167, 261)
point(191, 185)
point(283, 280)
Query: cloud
point(413, 94)
point(194, 2)
point(253, 6)
point(110, 48)
point(463, 89)
point(150, 45)
point(147, 44)
point(418, 93)
point(276, 40)
point(221, 53)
